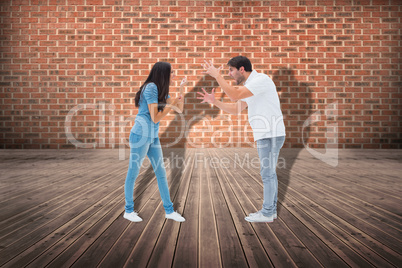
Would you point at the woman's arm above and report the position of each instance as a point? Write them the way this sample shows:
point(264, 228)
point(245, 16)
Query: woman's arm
point(156, 115)
point(180, 102)
point(176, 104)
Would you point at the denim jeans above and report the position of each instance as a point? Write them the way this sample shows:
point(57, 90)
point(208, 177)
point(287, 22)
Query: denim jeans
point(268, 152)
point(139, 147)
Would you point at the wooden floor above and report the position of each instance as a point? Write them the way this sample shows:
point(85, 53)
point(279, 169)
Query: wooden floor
point(64, 208)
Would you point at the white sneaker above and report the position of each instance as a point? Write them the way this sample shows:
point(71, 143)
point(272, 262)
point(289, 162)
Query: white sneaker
point(133, 216)
point(175, 216)
point(258, 217)
point(259, 212)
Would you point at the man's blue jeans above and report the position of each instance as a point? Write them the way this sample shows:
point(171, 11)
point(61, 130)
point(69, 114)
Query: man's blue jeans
point(139, 147)
point(268, 152)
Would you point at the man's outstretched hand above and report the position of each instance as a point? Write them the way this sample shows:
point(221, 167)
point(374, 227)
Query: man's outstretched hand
point(205, 97)
point(211, 69)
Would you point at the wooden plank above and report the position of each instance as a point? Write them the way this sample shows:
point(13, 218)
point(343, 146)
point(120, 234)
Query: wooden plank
point(357, 189)
point(319, 217)
point(294, 247)
point(186, 254)
point(142, 250)
point(209, 252)
point(231, 249)
point(352, 236)
point(331, 202)
point(252, 247)
point(319, 248)
point(368, 241)
point(90, 252)
point(96, 249)
point(390, 217)
point(27, 182)
point(9, 159)
point(16, 227)
point(326, 231)
point(55, 243)
point(88, 234)
point(21, 179)
point(343, 210)
point(32, 236)
point(359, 172)
point(51, 192)
point(125, 240)
point(370, 210)
point(162, 255)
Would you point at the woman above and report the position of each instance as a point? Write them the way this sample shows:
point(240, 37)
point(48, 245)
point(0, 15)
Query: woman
point(154, 103)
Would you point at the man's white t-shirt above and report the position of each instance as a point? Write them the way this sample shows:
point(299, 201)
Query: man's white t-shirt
point(264, 109)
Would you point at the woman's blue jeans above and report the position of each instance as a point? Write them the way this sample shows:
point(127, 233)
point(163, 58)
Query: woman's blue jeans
point(139, 147)
point(268, 152)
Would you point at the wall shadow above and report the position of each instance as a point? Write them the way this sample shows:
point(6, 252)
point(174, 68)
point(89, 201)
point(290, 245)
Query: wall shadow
point(297, 105)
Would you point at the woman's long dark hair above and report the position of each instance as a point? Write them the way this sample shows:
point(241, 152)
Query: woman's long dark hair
point(160, 75)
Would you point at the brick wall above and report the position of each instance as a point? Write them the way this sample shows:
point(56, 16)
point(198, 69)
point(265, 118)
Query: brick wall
point(70, 69)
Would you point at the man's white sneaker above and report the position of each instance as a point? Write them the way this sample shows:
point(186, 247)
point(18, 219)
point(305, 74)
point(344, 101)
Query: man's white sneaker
point(258, 217)
point(258, 212)
point(175, 216)
point(133, 216)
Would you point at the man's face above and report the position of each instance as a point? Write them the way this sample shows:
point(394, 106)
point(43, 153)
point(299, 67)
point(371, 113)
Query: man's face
point(237, 75)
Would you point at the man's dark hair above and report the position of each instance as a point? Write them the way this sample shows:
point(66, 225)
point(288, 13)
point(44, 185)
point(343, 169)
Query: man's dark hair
point(240, 61)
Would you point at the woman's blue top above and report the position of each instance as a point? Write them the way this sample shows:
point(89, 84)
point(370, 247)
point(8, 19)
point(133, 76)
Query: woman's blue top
point(144, 125)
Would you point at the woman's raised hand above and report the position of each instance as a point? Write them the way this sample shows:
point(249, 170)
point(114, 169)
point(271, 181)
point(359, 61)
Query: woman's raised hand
point(184, 81)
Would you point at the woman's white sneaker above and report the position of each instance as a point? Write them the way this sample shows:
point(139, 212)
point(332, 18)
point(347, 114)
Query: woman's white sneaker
point(133, 216)
point(175, 216)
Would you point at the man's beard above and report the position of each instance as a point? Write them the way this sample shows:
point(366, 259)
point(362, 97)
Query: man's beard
point(240, 80)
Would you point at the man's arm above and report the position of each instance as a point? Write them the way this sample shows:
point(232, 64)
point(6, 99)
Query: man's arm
point(234, 93)
point(231, 108)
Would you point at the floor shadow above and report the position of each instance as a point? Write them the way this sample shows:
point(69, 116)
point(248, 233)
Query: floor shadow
point(175, 137)
point(297, 105)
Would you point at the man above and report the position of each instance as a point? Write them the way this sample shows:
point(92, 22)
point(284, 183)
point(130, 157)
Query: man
point(257, 92)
